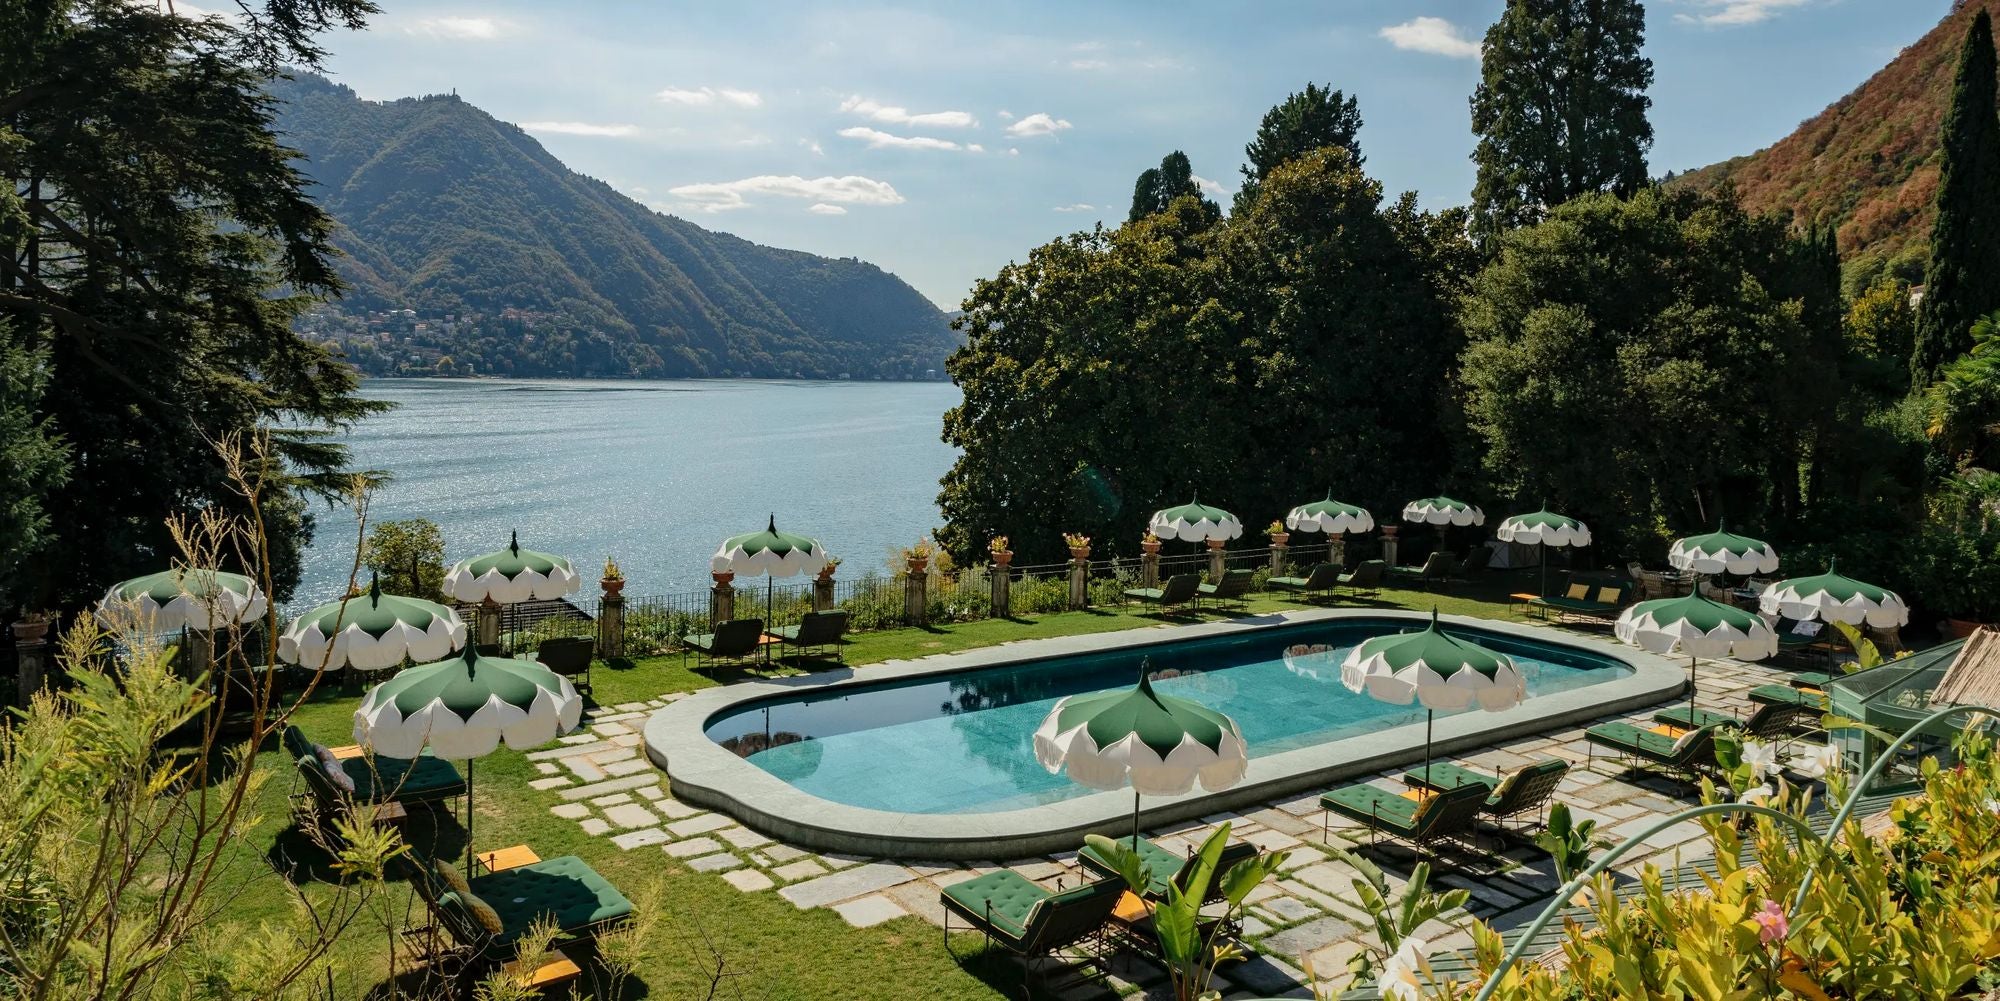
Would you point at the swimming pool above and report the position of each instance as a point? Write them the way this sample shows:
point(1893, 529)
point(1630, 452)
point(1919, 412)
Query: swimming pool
point(960, 743)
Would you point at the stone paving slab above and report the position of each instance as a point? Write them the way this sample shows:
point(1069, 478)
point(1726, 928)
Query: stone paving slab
point(748, 880)
point(715, 863)
point(869, 911)
point(871, 878)
point(597, 789)
point(693, 847)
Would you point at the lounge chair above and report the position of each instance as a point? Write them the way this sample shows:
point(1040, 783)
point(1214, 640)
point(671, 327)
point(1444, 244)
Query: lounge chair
point(1029, 921)
point(1165, 867)
point(1475, 562)
point(1231, 588)
point(732, 640)
point(566, 889)
point(1437, 569)
point(815, 632)
point(1321, 579)
point(1579, 601)
point(1686, 755)
point(1180, 589)
point(1422, 820)
point(1525, 790)
point(1805, 639)
point(1814, 681)
point(1779, 695)
point(415, 781)
point(1770, 721)
point(1367, 577)
point(569, 656)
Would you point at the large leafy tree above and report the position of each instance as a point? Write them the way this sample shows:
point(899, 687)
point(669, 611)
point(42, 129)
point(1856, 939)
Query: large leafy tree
point(1655, 364)
point(155, 245)
point(1159, 186)
point(1308, 120)
point(1962, 281)
point(1560, 109)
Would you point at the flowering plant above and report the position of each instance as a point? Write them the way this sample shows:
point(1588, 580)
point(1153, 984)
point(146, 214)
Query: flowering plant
point(1076, 540)
point(998, 545)
point(1275, 528)
point(611, 571)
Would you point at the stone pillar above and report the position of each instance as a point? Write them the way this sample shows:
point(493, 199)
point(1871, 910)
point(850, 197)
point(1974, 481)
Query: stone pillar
point(822, 594)
point(1003, 588)
point(1389, 546)
point(722, 598)
point(1215, 564)
point(31, 664)
point(1279, 549)
point(611, 626)
point(486, 624)
point(916, 597)
point(200, 655)
point(1079, 583)
point(1149, 569)
point(1336, 551)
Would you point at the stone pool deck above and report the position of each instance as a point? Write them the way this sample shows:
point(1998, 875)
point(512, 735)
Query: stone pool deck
point(600, 778)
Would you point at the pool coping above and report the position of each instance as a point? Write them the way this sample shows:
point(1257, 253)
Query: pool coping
point(703, 773)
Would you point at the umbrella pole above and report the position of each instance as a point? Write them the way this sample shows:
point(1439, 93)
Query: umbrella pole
point(471, 860)
point(1693, 662)
point(1545, 570)
point(1430, 716)
point(1135, 820)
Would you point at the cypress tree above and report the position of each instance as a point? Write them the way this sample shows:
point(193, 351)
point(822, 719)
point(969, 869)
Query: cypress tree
point(1962, 281)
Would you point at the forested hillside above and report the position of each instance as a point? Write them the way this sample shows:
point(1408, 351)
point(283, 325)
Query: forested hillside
point(509, 263)
point(1867, 164)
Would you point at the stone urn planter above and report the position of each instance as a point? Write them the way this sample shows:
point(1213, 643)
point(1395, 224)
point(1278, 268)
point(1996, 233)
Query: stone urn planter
point(1079, 552)
point(1003, 557)
point(915, 566)
point(1280, 538)
point(826, 573)
point(1151, 548)
point(1216, 543)
point(612, 585)
point(1390, 530)
point(29, 631)
point(723, 578)
point(1957, 628)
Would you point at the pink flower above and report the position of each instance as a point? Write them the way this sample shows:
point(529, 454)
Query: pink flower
point(1771, 923)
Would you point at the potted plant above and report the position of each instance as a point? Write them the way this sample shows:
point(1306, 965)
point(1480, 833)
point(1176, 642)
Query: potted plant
point(1079, 545)
point(613, 580)
point(998, 549)
point(1277, 533)
point(917, 558)
point(723, 578)
point(33, 625)
point(826, 571)
point(1150, 543)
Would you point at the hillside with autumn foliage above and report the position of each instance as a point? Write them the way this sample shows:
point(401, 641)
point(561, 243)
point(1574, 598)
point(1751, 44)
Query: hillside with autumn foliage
point(1868, 163)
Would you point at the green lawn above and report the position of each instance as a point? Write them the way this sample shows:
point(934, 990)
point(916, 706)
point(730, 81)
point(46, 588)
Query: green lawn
point(777, 951)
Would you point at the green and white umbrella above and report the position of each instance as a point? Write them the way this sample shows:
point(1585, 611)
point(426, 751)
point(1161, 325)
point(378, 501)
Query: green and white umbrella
point(1157, 744)
point(769, 552)
point(189, 598)
point(1546, 529)
point(463, 708)
point(1698, 627)
point(1329, 516)
point(372, 632)
point(1443, 511)
point(1437, 671)
point(1195, 522)
point(1721, 552)
point(512, 575)
point(1831, 597)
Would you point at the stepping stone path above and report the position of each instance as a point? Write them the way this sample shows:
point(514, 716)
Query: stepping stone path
point(600, 778)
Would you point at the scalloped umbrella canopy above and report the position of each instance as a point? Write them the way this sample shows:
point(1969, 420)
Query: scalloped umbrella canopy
point(1721, 552)
point(372, 632)
point(190, 598)
point(1698, 627)
point(1157, 744)
point(1832, 597)
point(1435, 669)
point(1195, 522)
point(779, 554)
point(512, 575)
point(1330, 516)
point(1544, 528)
point(1443, 511)
point(466, 706)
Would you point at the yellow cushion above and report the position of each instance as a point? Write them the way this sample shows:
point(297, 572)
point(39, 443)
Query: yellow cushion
point(452, 879)
point(1608, 595)
point(1579, 591)
point(482, 912)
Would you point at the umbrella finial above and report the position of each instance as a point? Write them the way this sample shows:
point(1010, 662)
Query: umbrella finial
point(771, 526)
point(374, 589)
point(1833, 564)
point(471, 655)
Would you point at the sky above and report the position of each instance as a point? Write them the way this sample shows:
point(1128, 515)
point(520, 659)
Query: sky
point(942, 141)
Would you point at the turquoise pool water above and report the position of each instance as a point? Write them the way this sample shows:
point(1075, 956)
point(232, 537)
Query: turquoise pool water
point(962, 743)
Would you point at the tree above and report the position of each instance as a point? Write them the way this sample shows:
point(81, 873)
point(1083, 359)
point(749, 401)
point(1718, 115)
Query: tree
point(1962, 281)
point(1881, 327)
point(1560, 109)
point(1158, 187)
point(33, 461)
point(156, 243)
point(1302, 122)
point(408, 556)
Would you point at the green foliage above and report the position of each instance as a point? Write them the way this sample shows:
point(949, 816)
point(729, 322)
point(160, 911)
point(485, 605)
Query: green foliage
point(408, 557)
point(1964, 402)
point(33, 459)
point(1560, 109)
point(1311, 119)
point(1881, 325)
point(1396, 916)
point(516, 265)
point(1569, 842)
point(1191, 955)
point(1960, 284)
point(1160, 186)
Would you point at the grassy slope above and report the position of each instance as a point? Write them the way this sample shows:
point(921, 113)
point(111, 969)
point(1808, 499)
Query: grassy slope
point(782, 952)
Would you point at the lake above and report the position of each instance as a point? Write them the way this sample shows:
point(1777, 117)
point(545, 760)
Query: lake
point(656, 473)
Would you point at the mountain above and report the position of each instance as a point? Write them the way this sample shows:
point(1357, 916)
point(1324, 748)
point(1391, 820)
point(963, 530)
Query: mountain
point(1868, 163)
point(471, 250)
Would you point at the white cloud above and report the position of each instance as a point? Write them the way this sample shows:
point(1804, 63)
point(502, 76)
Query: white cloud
point(812, 146)
point(1089, 65)
point(1434, 35)
point(974, 148)
point(1212, 187)
point(705, 96)
point(1013, 151)
point(1038, 124)
point(1076, 207)
point(722, 196)
point(641, 191)
point(582, 128)
point(878, 139)
point(1730, 13)
point(903, 116)
point(477, 29)
point(822, 208)
point(1005, 115)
